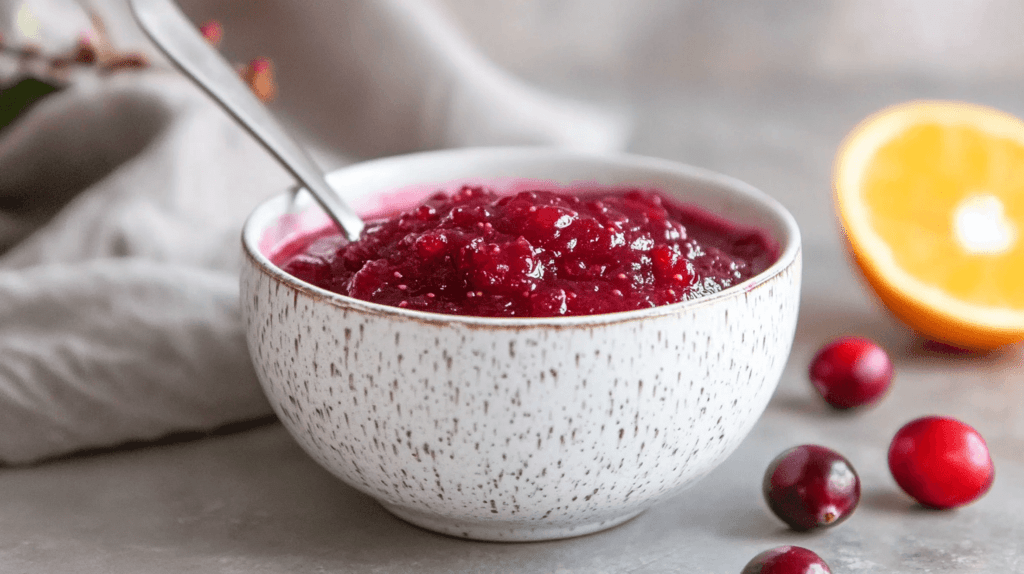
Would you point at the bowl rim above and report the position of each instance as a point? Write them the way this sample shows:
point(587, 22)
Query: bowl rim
point(276, 205)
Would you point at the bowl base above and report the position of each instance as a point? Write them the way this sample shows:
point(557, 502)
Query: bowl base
point(505, 530)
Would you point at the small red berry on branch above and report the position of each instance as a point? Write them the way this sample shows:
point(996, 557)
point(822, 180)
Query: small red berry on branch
point(213, 32)
point(85, 51)
point(259, 74)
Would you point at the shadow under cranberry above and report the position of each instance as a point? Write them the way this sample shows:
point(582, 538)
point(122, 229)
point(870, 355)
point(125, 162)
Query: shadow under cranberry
point(757, 526)
point(893, 501)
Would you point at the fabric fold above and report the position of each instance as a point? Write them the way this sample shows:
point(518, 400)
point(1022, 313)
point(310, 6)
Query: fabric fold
point(123, 194)
point(109, 350)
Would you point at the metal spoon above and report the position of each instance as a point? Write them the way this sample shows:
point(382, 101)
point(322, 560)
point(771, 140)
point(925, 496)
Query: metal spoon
point(181, 41)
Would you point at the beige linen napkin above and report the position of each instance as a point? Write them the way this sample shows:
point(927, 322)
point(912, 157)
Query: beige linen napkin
point(123, 194)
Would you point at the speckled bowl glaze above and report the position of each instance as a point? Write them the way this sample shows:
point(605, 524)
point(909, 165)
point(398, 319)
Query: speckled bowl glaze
point(519, 429)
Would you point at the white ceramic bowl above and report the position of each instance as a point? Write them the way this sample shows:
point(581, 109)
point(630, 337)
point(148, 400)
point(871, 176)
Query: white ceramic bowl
point(519, 429)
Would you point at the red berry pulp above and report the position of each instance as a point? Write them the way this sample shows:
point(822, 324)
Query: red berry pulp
point(810, 486)
point(941, 462)
point(536, 254)
point(787, 560)
point(851, 372)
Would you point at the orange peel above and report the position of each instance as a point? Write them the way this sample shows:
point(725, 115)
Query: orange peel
point(930, 195)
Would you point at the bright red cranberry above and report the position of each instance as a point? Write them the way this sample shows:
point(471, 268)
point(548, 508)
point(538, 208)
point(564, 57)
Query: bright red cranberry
point(810, 486)
point(941, 462)
point(787, 560)
point(850, 372)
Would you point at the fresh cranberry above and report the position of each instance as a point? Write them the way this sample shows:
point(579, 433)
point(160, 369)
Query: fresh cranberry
point(810, 486)
point(787, 560)
point(941, 462)
point(850, 372)
point(535, 254)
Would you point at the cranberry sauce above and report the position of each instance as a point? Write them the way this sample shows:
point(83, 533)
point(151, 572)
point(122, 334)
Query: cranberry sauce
point(535, 254)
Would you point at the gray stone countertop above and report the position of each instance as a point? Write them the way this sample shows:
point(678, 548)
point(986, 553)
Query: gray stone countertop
point(253, 502)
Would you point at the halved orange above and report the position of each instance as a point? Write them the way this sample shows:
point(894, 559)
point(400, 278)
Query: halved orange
point(930, 195)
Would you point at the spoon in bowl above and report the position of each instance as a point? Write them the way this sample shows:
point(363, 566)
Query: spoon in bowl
point(181, 41)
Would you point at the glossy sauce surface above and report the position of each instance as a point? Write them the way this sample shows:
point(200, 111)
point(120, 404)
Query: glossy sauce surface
point(535, 254)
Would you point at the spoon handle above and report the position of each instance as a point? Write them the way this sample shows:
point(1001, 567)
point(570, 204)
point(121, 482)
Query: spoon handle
point(181, 41)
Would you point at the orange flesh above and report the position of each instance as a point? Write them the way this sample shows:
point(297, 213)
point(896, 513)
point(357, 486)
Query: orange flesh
point(913, 189)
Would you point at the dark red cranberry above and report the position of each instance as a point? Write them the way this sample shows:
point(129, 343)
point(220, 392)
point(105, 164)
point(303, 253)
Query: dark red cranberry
point(850, 372)
point(787, 560)
point(810, 486)
point(941, 462)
